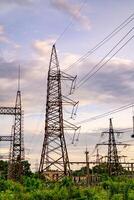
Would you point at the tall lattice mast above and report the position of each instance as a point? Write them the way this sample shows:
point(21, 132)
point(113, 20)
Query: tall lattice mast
point(54, 156)
point(17, 154)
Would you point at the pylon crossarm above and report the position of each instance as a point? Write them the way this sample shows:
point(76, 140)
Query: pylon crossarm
point(9, 111)
point(120, 144)
point(6, 138)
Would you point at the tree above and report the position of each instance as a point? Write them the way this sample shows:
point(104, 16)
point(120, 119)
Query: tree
point(4, 168)
point(26, 168)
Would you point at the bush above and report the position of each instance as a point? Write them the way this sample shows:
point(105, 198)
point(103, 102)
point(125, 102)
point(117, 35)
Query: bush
point(32, 188)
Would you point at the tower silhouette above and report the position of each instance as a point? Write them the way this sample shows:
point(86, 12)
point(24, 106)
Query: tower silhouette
point(113, 159)
point(17, 148)
point(54, 161)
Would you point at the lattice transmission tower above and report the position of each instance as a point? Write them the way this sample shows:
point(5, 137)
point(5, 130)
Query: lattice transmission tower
point(113, 164)
point(113, 159)
point(17, 144)
point(15, 167)
point(54, 163)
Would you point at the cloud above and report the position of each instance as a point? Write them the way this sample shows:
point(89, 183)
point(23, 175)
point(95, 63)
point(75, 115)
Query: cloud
point(2, 30)
point(3, 37)
point(11, 49)
point(67, 59)
point(15, 2)
point(9, 5)
point(113, 84)
point(73, 10)
point(43, 47)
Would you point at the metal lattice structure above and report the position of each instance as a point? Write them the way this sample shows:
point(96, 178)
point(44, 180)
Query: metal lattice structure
point(6, 138)
point(17, 155)
point(17, 140)
point(54, 163)
point(9, 173)
point(8, 111)
point(18, 144)
point(113, 159)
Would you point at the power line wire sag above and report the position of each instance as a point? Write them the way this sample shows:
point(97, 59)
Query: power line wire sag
point(122, 108)
point(88, 76)
point(102, 42)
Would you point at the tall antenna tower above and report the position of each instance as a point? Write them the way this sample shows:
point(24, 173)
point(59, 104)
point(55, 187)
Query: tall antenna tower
point(17, 154)
point(54, 163)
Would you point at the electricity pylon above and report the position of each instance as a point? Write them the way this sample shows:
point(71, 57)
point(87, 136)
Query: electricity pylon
point(54, 163)
point(114, 167)
point(17, 148)
point(113, 160)
point(15, 168)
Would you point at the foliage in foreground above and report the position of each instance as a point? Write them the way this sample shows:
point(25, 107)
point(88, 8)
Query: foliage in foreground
point(33, 188)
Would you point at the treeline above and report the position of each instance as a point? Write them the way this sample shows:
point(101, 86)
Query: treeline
point(32, 188)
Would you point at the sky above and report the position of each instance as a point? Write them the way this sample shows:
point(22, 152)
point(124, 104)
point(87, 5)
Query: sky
point(28, 29)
